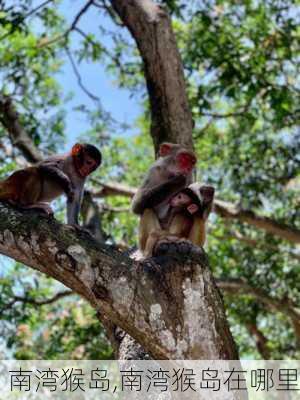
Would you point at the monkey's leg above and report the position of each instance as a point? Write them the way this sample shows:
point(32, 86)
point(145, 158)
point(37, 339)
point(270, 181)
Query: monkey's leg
point(180, 226)
point(31, 192)
point(153, 238)
point(40, 206)
point(148, 223)
point(178, 241)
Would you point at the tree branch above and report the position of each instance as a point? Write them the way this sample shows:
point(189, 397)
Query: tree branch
point(113, 189)
point(260, 340)
point(168, 310)
point(35, 302)
point(93, 97)
point(258, 243)
point(229, 211)
point(65, 34)
point(10, 120)
point(286, 306)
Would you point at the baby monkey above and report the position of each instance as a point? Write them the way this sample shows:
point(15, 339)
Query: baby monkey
point(184, 200)
point(187, 217)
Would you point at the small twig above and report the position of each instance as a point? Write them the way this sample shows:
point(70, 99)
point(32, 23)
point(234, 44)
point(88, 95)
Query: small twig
point(79, 79)
point(35, 302)
point(70, 29)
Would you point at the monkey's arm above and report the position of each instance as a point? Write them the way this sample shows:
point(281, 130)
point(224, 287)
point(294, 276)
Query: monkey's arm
point(74, 205)
point(197, 233)
point(53, 171)
point(150, 197)
point(148, 224)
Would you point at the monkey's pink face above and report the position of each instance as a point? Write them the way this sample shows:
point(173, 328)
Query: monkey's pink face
point(181, 199)
point(87, 166)
point(186, 162)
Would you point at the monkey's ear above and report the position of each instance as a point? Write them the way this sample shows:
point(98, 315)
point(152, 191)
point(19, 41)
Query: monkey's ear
point(165, 149)
point(76, 149)
point(207, 192)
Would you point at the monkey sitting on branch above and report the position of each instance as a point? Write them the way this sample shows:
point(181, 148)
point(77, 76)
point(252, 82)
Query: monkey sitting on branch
point(35, 187)
point(186, 220)
point(168, 175)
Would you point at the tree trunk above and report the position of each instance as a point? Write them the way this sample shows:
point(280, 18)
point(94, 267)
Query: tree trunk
point(151, 28)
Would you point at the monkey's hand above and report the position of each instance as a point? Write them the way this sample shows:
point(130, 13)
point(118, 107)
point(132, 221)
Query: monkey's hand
point(192, 208)
point(153, 196)
point(78, 228)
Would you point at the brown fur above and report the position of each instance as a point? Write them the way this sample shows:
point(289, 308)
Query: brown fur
point(36, 186)
point(165, 178)
point(180, 225)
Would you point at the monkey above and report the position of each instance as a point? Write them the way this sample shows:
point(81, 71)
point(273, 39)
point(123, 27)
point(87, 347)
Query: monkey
point(169, 174)
point(189, 211)
point(35, 187)
point(190, 222)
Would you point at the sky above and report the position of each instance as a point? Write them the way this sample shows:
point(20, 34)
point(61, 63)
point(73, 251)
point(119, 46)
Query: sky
point(115, 100)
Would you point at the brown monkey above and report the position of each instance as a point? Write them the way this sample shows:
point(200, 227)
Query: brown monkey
point(189, 211)
point(169, 174)
point(37, 186)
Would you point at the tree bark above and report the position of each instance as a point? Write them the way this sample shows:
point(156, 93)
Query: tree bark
point(10, 120)
point(150, 26)
point(174, 311)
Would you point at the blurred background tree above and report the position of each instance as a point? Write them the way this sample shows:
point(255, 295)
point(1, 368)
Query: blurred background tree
point(73, 72)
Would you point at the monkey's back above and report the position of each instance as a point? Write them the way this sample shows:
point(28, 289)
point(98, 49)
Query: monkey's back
point(22, 186)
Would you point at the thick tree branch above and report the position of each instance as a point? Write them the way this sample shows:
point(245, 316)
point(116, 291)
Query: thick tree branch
point(169, 310)
point(113, 189)
point(10, 120)
point(151, 28)
point(229, 211)
point(286, 306)
point(260, 340)
point(258, 244)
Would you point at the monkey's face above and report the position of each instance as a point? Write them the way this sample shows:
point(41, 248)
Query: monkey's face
point(86, 158)
point(185, 161)
point(87, 165)
point(180, 200)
